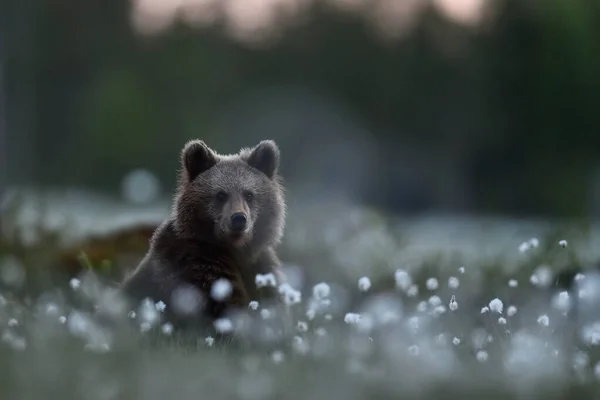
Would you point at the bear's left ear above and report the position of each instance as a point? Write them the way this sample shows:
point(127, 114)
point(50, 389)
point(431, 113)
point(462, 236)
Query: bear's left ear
point(265, 158)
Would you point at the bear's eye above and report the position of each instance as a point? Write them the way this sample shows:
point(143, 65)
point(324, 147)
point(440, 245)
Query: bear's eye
point(248, 196)
point(221, 196)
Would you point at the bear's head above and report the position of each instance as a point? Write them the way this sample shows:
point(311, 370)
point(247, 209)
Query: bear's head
point(234, 199)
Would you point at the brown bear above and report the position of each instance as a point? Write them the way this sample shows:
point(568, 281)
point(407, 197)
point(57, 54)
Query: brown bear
point(227, 218)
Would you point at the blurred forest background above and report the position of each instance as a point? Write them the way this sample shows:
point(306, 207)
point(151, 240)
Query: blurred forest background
point(410, 106)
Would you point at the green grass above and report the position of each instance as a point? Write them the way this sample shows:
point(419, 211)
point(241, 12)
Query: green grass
point(42, 357)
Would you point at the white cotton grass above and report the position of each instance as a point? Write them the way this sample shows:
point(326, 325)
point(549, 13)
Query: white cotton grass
point(277, 356)
point(265, 280)
point(403, 280)
point(265, 313)
point(481, 355)
point(562, 243)
point(160, 306)
point(453, 306)
point(541, 277)
point(321, 291)
point(302, 326)
point(75, 283)
point(528, 245)
point(543, 320)
point(496, 305)
point(290, 295)
point(434, 301)
point(221, 289)
point(364, 284)
point(365, 321)
point(453, 282)
point(352, 318)
point(562, 302)
point(413, 291)
point(432, 284)
point(223, 325)
point(167, 328)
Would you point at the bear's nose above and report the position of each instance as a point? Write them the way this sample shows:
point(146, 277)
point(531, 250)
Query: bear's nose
point(238, 222)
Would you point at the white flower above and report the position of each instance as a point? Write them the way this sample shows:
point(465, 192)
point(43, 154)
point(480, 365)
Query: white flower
point(482, 356)
point(223, 325)
point(439, 310)
point(320, 331)
point(253, 305)
point(561, 301)
point(412, 291)
point(413, 350)
point(542, 277)
point(484, 310)
point(265, 313)
point(461, 270)
point(597, 370)
point(502, 321)
point(145, 327)
point(543, 320)
point(290, 295)
point(563, 243)
point(75, 283)
point(321, 291)
point(496, 305)
point(167, 328)
point(221, 289)
point(403, 279)
point(277, 357)
point(453, 304)
point(160, 306)
point(453, 282)
point(432, 284)
point(352, 318)
point(511, 310)
point(513, 283)
point(299, 346)
point(264, 280)
point(302, 326)
point(524, 247)
point(364, 284)
point(434, 301)
point(456, 341)
point(590, 334)
point(209, 340)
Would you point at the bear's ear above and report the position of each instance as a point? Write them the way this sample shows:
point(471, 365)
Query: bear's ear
point(265, 158)
point(196, 157)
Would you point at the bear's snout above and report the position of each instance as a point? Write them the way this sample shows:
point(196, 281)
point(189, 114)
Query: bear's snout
point(238, 222)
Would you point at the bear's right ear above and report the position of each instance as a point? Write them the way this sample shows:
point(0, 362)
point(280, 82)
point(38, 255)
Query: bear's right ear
point(196, 158)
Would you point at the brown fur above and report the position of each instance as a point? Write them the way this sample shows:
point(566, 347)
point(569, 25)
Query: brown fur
point(196, 245)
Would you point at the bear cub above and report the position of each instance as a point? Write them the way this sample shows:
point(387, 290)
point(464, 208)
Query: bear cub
point(227, 217)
